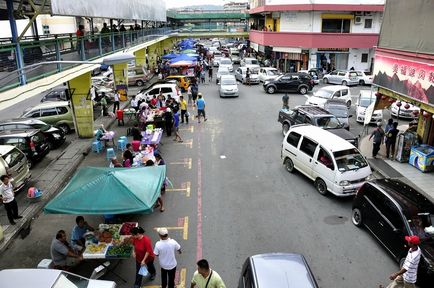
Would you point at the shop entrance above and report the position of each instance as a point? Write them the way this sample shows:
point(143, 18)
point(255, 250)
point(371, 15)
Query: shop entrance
point(332, 61)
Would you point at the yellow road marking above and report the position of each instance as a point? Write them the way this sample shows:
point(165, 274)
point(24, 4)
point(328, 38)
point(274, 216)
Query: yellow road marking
point(188, 143)
point(185, 187)
point(183, 227)
point(191, 129)
point(185, 232)
point(186, 163)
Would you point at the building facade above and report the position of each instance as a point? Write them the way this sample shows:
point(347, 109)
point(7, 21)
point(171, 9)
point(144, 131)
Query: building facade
point(328, 34)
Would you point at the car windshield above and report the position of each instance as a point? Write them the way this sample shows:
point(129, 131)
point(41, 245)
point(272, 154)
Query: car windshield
point(225, 61)
point(338, 111)
point(13, 157)
point(223, 72)
point(66, 280)
point(323, 93)
point(328, 122)
point(229, 82)
point(272, 72)
point(422, 225)
point(348, 160)
point(365, 102)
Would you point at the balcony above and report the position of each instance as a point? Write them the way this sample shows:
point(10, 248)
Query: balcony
point(314, 39)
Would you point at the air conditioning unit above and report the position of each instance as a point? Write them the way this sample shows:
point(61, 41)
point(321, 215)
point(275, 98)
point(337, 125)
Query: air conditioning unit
point(358, 13)
point(357, 20)
point(368, 13)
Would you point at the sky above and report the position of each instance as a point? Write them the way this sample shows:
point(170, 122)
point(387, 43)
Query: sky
point(182, 3)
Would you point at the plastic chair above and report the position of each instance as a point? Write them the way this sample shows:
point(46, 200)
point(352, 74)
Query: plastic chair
point(120, 117)
point(122, 144)
point(136, 145)
point(124, 138)
point(110, 153)
point(97, 146)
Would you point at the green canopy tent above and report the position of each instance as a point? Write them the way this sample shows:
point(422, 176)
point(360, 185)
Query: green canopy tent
point(99, 190)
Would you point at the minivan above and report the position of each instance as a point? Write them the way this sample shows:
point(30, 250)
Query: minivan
point(391, 209)
point(13, 162)
point(333, 163)
point(167, 89)
point(276, 270)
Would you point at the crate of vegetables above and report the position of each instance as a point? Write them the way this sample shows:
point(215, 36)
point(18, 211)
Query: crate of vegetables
point(126, 228)
point(119, 251)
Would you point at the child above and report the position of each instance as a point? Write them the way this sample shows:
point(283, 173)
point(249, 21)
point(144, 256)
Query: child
point(202, 76)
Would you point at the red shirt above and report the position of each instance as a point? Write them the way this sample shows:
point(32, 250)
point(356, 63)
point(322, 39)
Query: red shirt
point(154, 101)
point(141, 246)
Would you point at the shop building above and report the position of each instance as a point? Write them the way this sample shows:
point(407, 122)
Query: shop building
point(404, 62)
point(307, 34)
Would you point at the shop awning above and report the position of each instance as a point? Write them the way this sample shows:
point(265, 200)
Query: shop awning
point(287, 49)
point(337, 16)
point(98, 191)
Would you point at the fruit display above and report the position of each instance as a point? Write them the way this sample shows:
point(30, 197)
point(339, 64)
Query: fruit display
point(119, 251)
point(114, 230)
point(126, 228)
point(106, 237)
point(95, 251)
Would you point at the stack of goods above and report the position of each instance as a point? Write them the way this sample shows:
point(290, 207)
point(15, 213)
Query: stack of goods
point(34, 193)
point(119, 251)
point(96, 250)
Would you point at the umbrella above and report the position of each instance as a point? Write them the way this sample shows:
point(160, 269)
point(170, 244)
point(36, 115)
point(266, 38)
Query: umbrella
point(188, 51)
point(100, 190)
point(182, 63)
point(170, 56)
point(183, 57)
point(197, 56)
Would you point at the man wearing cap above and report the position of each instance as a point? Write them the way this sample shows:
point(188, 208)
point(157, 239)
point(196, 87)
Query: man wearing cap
point(165, 250)
point(378, 135)
point(406, 277)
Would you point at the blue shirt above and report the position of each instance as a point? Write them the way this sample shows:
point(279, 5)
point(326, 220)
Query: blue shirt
point(176, 118)
point(77, 233)
point(200, 104)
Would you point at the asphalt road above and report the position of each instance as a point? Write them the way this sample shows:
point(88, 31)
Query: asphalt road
point(241, 202)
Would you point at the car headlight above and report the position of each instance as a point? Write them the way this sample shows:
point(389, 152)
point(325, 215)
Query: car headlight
point(344, 183)
point(370, 177)
point(57, 136)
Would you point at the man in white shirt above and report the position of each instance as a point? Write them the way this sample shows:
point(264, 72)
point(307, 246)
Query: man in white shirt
point(407, 276)
point(8, 198)
point(165, 250)
point(116, 102)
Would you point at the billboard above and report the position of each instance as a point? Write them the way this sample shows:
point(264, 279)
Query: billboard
point(406, 77)
point(114, 9)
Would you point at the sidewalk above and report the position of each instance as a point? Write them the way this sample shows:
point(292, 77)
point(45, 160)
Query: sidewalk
point(386, 168)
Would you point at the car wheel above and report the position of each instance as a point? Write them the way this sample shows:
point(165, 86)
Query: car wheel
point(321, 186)
point(140, 83)
point(285, 128)
point(64, 128)
point(325, 80)
point(302, 90)
point(50, 145)
point(289, 165)
point(345, 83)
point(356, 217)
point(349, 104)
point(271, 89)
point(362, 82)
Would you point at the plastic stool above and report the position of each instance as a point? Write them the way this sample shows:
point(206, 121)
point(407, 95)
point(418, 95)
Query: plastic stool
point(120, 117)
point(124, 138)
point(96, 146)
point(136, 145)
point(122, 144)
point(110, 153)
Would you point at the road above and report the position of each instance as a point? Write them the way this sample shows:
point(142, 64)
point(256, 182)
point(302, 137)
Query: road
point(232, 198)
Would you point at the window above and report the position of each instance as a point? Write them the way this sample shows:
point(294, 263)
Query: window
point(308, 120)
point(13, 158)
point(8, 127)
point(48, 112)
point(364, 58)
point(336, 25)
point(293, 139)
point(308, 146)
point(368, 23)
point(325, 159)
point(166, 90)
point(23, 126)
point(392, 214)
point(299, 118)
point(344, 92)
point(62, 110)
point(34, 114)
point(17, 142)
point(341, 74)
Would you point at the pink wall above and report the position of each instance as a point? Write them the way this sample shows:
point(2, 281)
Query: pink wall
point(314, 40)
point(316, 7)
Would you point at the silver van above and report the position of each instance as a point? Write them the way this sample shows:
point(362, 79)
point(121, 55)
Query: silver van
point(14, 162)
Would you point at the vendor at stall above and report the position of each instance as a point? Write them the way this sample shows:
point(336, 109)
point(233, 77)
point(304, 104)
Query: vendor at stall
point(62, 254)
point(81, 227)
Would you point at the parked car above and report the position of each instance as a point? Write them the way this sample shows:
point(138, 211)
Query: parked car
point(334, 164)
point(235, 55)
point(227, 63)
point(240, 75)
point(220, 72)
point(137, 76)
point(268, 74)
point(288, 270)
point(14, 162)
point(167, 89)
point(251, 63)
point(391, 209)
point(56, 94)
point(228, 86)
point(55, 136)
point(58, 114)
point(365, 78)
point(313, 74)
point(315, 116)
point(290, 82)
point(340, 110)
point(407, 113)
point(217, 57)
point(31, 142)
point(320, 97)
point(48, 278)
point(365, 99)
point(341, 77)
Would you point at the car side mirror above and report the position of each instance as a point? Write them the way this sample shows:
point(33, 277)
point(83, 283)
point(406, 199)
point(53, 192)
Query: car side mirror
point(351, 115)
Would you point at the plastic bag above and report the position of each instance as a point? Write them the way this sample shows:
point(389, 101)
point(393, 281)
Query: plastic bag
point(143, 271)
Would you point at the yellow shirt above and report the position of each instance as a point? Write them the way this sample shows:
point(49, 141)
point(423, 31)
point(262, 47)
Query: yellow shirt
point(183, 105)
point(214, 282)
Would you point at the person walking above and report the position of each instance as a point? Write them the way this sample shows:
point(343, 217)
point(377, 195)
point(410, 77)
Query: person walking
point(194, 92)
point(116, 101)
point(168, 118)
point(184, 112)
point(248, 76)
point(285, 99)
point(210, 67)
point(176, 126)
point(165, 250)
point(200, 103)
point(190, 98)
point(407, 276)
point(143, 253)
point(7, 195)
point(378, 136)
point(204, 277)
point(391, 135)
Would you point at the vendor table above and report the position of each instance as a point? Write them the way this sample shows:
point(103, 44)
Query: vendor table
point(130, 114)
point(154, 138)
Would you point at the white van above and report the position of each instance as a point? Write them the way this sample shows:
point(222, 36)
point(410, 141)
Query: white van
point(333, 163)
point(167, 89)
point(14, 162)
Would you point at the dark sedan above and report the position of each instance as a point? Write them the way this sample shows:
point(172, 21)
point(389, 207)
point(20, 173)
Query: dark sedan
point(290, 82)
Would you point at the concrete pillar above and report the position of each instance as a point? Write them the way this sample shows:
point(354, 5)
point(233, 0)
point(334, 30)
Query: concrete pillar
point(82, 105)
point(120, 78)
point(140, 57)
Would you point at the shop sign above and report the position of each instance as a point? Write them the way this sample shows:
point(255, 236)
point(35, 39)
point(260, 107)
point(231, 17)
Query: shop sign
point(333, 49)
point(412, 79)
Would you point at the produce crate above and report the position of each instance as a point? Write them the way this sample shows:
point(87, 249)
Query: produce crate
point(119, 251)
point(89, 253)
point(126, 227)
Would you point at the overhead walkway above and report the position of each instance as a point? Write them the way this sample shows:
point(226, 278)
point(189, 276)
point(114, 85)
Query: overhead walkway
point(207, 15)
